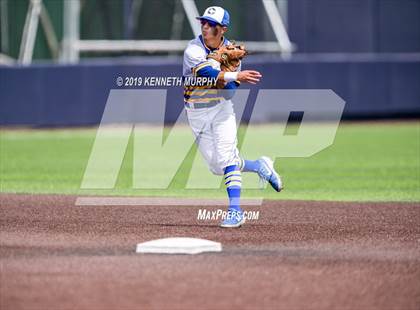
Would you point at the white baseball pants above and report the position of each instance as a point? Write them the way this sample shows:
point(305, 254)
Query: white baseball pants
point(215, 132)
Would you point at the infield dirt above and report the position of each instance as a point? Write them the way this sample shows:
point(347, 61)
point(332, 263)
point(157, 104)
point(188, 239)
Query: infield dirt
point(299, 255)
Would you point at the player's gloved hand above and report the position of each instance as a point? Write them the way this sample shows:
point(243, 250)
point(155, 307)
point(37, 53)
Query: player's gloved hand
point(229, 56)
point(249, 76)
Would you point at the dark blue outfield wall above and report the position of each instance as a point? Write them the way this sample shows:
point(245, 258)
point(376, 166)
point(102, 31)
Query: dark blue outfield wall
point(355, 26)
point(54, 95)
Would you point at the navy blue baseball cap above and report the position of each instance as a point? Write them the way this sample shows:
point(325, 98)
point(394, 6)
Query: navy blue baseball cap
point(217, 15)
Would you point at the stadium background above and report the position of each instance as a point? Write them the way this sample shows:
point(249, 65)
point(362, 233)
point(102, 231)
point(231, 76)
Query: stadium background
point(365, 51)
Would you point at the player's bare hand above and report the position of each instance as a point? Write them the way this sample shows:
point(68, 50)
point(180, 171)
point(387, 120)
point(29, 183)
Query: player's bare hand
point(249, 76)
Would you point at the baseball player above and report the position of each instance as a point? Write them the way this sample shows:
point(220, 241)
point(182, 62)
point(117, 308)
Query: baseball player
point(210, 112)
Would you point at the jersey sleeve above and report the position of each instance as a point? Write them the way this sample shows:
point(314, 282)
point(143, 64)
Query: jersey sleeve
point(197, 61)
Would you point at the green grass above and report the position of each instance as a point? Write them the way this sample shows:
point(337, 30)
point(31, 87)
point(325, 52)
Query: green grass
point(367, 162)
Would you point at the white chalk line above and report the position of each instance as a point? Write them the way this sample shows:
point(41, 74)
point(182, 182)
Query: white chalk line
point(159, 201)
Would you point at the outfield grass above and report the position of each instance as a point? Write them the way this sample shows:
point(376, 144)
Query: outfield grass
point(367, 162)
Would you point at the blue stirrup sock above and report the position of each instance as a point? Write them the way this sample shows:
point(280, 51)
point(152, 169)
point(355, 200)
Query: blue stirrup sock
point(233, 182)
point(250, 165)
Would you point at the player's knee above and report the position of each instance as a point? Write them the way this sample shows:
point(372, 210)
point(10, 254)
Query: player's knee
point(216, 170)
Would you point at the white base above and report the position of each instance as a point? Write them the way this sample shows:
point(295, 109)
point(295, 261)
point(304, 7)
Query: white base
point(178, 246)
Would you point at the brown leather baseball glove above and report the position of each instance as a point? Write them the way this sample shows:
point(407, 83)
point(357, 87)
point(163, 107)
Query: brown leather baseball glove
point(229, 56)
